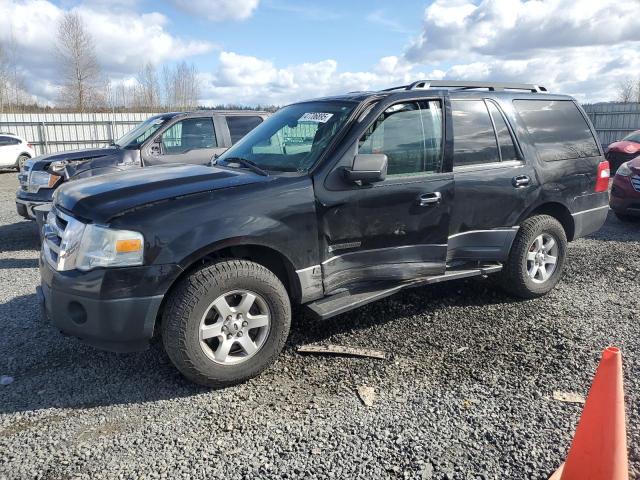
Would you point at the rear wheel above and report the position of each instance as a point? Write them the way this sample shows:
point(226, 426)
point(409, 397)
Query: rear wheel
point(536, 259)
point(226, 322)
point(20, 161)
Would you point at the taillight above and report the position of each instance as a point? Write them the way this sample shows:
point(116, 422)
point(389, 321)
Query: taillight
point(602, 178)
point(30, 146)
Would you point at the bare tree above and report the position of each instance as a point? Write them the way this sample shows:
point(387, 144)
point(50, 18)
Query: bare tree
point(181, 86)
point(626, 91)
point(148, 94)
point(78, 63)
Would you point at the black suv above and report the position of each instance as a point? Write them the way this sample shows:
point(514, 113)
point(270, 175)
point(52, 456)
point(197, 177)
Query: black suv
point(330, 203)
point(184, 137)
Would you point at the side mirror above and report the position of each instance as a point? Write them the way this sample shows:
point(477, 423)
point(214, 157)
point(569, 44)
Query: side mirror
point(367, 168)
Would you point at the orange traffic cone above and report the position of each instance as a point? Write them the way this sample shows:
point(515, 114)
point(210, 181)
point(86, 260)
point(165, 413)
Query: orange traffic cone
point(599, 447)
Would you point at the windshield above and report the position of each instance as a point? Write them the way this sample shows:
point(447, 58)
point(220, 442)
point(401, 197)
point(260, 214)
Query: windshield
point(634, 137)
point(139, 134)
point(293, 138)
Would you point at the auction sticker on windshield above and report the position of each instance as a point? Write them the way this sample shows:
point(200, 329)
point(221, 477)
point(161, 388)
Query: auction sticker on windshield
point(316, 117)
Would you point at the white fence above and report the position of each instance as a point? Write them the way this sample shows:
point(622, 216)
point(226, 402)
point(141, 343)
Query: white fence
point(54, 132)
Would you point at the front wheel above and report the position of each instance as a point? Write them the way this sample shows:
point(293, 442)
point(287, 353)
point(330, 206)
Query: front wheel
point(226, 322)
point(536, 259)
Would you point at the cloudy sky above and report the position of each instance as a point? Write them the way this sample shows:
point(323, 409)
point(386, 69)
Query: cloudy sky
point(278, 51)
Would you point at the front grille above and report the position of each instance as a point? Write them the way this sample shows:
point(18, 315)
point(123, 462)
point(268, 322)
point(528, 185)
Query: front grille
point(635, 181)
point(61, 235)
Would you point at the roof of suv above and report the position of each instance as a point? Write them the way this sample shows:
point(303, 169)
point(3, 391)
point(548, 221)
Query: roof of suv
point(204, 113)
point(498, 89)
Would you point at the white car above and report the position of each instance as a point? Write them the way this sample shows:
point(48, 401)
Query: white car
point(14, 151)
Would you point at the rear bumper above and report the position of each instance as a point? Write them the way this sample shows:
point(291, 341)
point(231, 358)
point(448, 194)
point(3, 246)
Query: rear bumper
point(589, 214)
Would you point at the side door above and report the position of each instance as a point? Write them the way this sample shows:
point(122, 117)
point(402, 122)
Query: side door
point(394, 230)
point(493, 182)
point(189, 140)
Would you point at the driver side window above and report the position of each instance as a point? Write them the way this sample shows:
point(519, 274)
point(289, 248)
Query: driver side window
point(410, 134)
point(189, 134)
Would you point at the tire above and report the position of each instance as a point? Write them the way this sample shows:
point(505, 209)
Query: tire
point(516, 277)
point(626, 218)
point(20, 161)
point(195, 301)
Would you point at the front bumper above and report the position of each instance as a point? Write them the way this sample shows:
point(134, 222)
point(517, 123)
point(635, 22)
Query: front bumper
point(26, 202)
point(111, 309)
point(625, 199)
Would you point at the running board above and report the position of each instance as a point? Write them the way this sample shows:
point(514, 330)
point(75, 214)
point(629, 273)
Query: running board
point(343, 302)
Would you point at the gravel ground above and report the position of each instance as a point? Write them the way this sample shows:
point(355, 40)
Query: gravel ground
point(465, 394)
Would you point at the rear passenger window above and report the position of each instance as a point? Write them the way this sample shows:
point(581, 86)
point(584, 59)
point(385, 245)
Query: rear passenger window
point(474, 140)
point(239, 126)
point(508, 150)
point(557, 128)
point(410, 135)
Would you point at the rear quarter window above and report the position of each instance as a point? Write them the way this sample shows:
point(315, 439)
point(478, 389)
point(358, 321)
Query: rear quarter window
point(557, 128)
point(239, 126)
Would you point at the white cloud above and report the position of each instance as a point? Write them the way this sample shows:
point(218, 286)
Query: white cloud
point(249, 80)
point(580, 47)
point(518, 28)
point(218, 10)
point(124, 40)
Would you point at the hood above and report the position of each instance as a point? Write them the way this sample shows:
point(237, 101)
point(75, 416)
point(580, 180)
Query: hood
point(103, 197)
point(624, 146)
point(41, 162)
point(634, 165)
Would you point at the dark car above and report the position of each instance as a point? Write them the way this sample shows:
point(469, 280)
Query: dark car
point(331, 204)
point(622, 151)
point(187, 137)
point(625, 191)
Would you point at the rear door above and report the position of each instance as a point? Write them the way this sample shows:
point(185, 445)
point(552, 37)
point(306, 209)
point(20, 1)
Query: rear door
point(395, 230)
point(493, 182)
point(190, 140)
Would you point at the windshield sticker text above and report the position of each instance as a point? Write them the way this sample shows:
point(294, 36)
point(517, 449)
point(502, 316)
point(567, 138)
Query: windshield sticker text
point(316, 117)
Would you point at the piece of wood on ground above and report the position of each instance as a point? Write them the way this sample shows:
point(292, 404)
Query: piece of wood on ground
point(568, 397)
point(367, 395)
point(340, 350)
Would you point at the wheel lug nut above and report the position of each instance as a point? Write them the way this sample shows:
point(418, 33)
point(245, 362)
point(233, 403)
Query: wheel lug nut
point(240, 334)
point(229, 337)
point(245, 323)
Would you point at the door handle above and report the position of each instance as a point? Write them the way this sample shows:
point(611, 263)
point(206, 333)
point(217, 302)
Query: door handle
point(429, 199)
point(520, 181)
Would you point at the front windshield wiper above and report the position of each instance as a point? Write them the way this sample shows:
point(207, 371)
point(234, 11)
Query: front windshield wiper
point(245, 163)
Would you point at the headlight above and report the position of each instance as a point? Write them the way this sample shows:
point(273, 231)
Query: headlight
point(624, 170)
point(71, 244)
point(106, 247)
point(41, 179)
point(58, 165)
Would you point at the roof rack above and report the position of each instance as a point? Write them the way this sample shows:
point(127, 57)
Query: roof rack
point(491, 86)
